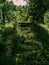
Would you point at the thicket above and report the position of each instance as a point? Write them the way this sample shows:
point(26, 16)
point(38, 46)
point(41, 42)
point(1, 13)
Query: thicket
point(13, 48)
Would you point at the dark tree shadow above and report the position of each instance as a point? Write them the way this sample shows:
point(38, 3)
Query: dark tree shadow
point(42, 35)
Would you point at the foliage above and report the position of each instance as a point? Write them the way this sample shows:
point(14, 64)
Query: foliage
point(37, 10)
point(24, 45)
point(22, 14)
point(6, 9)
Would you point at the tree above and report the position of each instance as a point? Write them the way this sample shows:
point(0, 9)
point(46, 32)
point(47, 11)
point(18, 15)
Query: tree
point(37, 9)
point(22, 14)
point(6, 9)
point(2, 2)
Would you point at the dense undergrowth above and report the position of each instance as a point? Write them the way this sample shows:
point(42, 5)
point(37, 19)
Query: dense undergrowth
point(15, 51)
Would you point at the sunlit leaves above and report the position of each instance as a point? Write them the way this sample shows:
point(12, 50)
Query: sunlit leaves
point(22, 14)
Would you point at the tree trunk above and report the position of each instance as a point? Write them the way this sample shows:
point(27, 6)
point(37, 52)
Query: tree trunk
point(3, 12)
point(3, 15)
